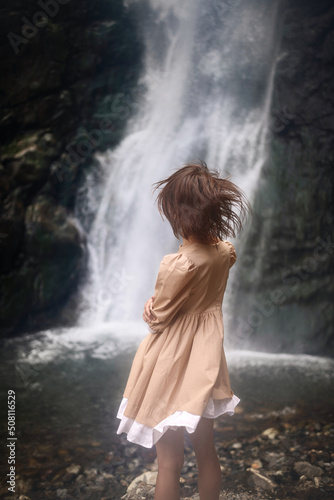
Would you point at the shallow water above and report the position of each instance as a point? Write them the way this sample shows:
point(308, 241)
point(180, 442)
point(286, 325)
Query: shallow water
point(75, 371)
point(69, 382)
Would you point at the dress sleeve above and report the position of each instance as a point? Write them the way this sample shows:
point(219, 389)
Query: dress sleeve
point(233, 255)
point(172, 288)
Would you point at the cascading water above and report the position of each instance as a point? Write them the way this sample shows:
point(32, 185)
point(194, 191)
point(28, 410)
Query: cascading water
point(208, 77)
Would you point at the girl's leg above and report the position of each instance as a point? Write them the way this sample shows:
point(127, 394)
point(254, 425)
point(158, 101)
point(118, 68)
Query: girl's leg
point(209, 473)
point(170, 453)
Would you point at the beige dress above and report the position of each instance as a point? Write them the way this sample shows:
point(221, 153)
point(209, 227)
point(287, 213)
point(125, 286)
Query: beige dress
point(179, 372)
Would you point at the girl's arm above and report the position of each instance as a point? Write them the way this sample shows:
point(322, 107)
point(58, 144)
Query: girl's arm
point(148, 315)
point(172, 289)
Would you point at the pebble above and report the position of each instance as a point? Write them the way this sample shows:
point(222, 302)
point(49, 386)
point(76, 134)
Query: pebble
point(261, 481)
point(271, 433)
point(62, 493)
point(308, 470)
point(237, 446)
point(147, 477)
point(257, 464)
point(73, 469)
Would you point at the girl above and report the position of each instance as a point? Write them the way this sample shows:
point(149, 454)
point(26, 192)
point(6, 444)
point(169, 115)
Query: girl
point(179, 377)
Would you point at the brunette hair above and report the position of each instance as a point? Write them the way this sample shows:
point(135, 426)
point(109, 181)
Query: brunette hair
point(198, 203)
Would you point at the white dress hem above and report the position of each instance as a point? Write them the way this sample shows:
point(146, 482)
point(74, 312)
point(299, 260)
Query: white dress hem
point(148, 436)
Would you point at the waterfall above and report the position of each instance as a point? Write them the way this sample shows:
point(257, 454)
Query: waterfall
point(207, 76)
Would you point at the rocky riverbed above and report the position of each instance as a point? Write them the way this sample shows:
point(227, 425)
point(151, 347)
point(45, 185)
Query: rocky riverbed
point(264, 455)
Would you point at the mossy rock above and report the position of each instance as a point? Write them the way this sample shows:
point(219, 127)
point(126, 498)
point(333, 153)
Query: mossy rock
point(50, 230)
point(55, 256)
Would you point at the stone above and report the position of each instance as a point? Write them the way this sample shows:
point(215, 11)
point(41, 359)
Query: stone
point(308, 470)
point(237, 446)
point(73, 469)
point(141, 491)
point(274, 458)
point(130, 451)
point(271, 433)
point(260, 481)
point(106, 475)
point(257, 464)
point(278, 475)
point(61, 493)
point(147, 477)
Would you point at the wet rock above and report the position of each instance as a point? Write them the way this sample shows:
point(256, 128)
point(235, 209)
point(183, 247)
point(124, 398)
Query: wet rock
point(271, 433)
point(274, 459)
point(142, 491)
point(130, 451)
point(307, 470)
point(54, 246)
point(90, 473)
point(73, 469)
point(260, 481)
point(277, 476)
point(257, 464)
point(61, 493)
point(147, 477)
point(71, 473)
point(236, 446)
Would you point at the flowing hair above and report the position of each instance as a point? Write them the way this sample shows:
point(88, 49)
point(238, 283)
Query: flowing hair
point(199, 204)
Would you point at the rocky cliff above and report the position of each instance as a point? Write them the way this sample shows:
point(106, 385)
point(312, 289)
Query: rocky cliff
point(283, 300)
point(68, 74)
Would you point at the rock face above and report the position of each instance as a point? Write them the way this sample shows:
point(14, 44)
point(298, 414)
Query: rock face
point(284, 298)
point(66, 88)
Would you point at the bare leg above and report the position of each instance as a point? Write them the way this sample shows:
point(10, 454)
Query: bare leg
point(209, 473)
point(170, 453)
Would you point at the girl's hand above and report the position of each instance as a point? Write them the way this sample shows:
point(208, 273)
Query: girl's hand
point(147, 314)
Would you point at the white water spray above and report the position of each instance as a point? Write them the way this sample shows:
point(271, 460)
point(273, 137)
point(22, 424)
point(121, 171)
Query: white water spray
point(207, 96)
